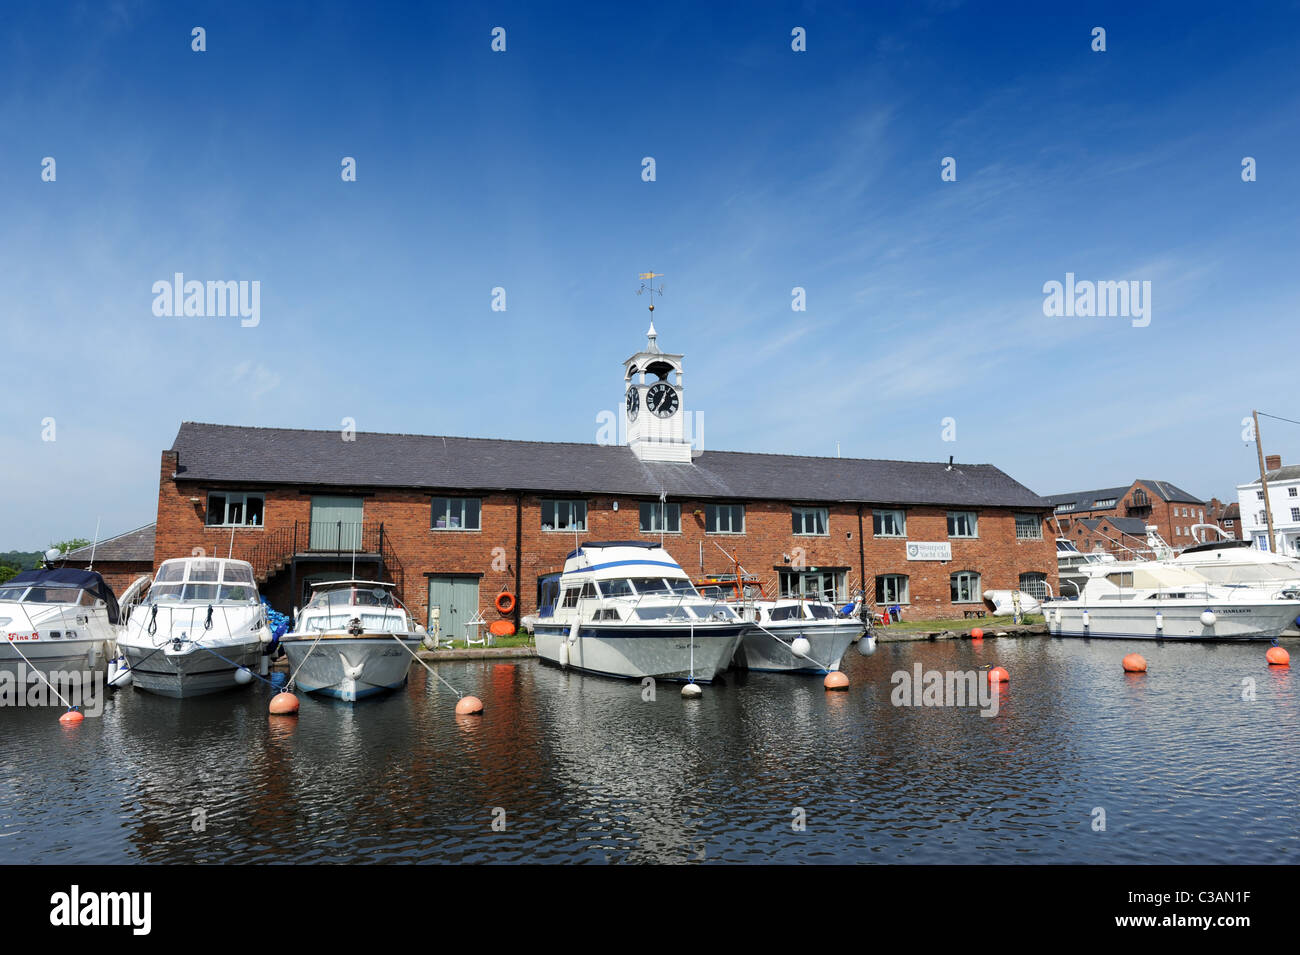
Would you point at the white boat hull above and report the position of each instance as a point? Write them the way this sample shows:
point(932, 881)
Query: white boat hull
point(1248, 622)
point(770, 651)
point(191, 670)
point(49, 656)
point(662, 652)
point(348, 667)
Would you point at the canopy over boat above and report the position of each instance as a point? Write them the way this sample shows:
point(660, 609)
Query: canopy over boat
point(44, 585)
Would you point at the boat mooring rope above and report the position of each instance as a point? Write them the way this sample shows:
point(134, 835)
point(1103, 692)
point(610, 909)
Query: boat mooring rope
point(422, 663)
point(789, 647)
point(42, 676)
point(237, 666)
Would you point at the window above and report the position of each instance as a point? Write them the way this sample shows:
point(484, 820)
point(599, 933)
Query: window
point(809, 521)
point(570, 597)
point(1062, 508)
point(1295, 513)
point(965, 586)
point(1227, 523)
point(564, 515)
point(889, 523)
point(962, 524)
point(1291, 492)
point(1109, 502)
point(1034, 584)
point(230, 509)
point(456, 514)
point(724, 518)
point(657, 516)
point(1028, 527)
point(1263, 518)
point(891, 589)
point(1259, 495)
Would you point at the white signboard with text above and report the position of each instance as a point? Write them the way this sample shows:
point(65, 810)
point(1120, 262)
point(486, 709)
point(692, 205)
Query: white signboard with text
point(920, 550)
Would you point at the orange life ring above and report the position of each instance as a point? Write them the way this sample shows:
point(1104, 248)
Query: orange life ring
point(505, 601)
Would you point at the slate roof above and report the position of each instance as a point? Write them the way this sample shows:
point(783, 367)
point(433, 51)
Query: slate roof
point(1085, 500)
point(136, 545)
point(281, 456)
point(1125, 525)
point(1288, 473)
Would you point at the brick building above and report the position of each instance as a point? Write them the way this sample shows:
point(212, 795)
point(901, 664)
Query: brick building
point(1168, 507)
point(456, 521)
point(119, 560)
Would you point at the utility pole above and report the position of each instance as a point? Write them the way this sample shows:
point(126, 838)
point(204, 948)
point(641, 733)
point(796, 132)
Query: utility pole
point(1263, 482)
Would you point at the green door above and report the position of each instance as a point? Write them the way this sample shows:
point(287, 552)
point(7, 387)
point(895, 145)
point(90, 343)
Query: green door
point(336, 523)
point(457, 599)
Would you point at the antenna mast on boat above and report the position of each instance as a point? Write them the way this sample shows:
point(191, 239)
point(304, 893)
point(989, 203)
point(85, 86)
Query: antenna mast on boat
point(94, 544)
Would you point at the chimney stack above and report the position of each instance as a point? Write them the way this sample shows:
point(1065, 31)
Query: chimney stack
point(1272, 462)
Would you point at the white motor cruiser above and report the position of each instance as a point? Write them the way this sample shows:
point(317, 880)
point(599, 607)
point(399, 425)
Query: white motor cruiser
point(627, 609)
point(57, 619)
point(353, 639)
point(201, 629)
point(1155, 600)
point(790, 634)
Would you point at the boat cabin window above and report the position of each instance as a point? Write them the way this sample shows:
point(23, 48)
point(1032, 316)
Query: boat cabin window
point(570, 597)
point(650, 585)
point(1121, 579)
point(822, 612)
point(204, 571)
point(54, 595)
point(792, 612)
point(616, 588)
point(680, 585)
point(666, 613)
point(172, 571)
point(588, 590)
point(12, 593)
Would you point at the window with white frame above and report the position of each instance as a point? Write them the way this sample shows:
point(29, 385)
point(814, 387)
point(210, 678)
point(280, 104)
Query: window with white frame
point(564, 515)
point(1259, 495)
point(891, 589)
point(1295, 513)
point(1028, 527)
point(1263, 518)
point(1062, 508)
point(456, 514)
point(661, 517)
point(809, 521)
point(1291, 492)
point(1034, 584)
point(963, 524)
point(1109, 502)
point(724, 518)
point(234, 509)
point(889, 523)
point(965, 587)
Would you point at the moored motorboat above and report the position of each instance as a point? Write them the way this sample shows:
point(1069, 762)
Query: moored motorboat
point(201, 629)
point(354, 639)
point(1153, 600)
point(56, 619)
point(627, 609)
point(790, 634)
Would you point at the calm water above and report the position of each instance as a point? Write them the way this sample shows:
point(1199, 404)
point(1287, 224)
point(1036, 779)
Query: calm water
point(1185, 770)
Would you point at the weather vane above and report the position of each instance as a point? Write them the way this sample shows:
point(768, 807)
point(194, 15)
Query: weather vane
point(647, 287)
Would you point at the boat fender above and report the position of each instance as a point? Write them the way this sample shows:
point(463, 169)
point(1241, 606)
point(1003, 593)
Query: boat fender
point(243, 677)
point(1208, 618)
point(505, 602)
point(564, 653)
point(800, 646)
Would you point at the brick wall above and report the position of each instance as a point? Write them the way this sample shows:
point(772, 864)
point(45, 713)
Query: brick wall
point(997, 555)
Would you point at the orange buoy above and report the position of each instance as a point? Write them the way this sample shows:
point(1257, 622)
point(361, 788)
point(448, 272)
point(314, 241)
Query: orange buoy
point(72, 716)
point(284, 704)
point(505, 601)
point(501, 628)
point(836, 681)
point(977, 634)
point(1278, 657)
point(999, 675)
point(1134, 663)
point(469, 706)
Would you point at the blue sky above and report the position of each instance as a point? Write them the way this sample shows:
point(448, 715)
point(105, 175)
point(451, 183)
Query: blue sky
point(522, 170)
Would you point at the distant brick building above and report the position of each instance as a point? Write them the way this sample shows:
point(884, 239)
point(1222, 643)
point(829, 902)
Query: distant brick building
point(1166, 506)
point(119, 560)
point(1227, 517)
point(457, 521)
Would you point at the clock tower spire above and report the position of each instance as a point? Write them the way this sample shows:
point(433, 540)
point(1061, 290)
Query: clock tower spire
point(653, 383)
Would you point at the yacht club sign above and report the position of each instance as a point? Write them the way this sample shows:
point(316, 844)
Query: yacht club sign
point(920, 550)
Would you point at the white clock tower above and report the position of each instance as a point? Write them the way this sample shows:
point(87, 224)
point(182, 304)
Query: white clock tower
point(652, 403)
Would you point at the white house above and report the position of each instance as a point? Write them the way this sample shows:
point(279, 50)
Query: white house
point(1283, 497)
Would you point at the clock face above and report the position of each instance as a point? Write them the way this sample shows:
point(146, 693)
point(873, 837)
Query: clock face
point(661, 398)
point(633, 403)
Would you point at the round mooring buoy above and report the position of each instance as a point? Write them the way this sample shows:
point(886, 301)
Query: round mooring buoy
point(692, 691)
point(469, 706)
point(1208, 618)
point(243, 676)
point(999, 675)
point(977, 634)
point(1135, 663)
point(1278, 657)
point(867, 646)
point(836, 680)
point(800, 646)
point(72, 716)
point(284, 704)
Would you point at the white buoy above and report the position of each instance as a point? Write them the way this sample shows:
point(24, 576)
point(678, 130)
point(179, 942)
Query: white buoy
point(1160, 620)
point(1085, 619)
point(564, 653)
point(243, 677)
point(119, 674)
point(1208, 618)
point(800, 646)
point(692, 691)
point(867, 646)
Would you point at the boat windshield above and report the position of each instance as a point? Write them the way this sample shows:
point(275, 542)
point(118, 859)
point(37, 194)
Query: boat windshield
point(352, 596)
point(203, 581)
point(47, 595)
point(615, 588)
point(392, 622)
